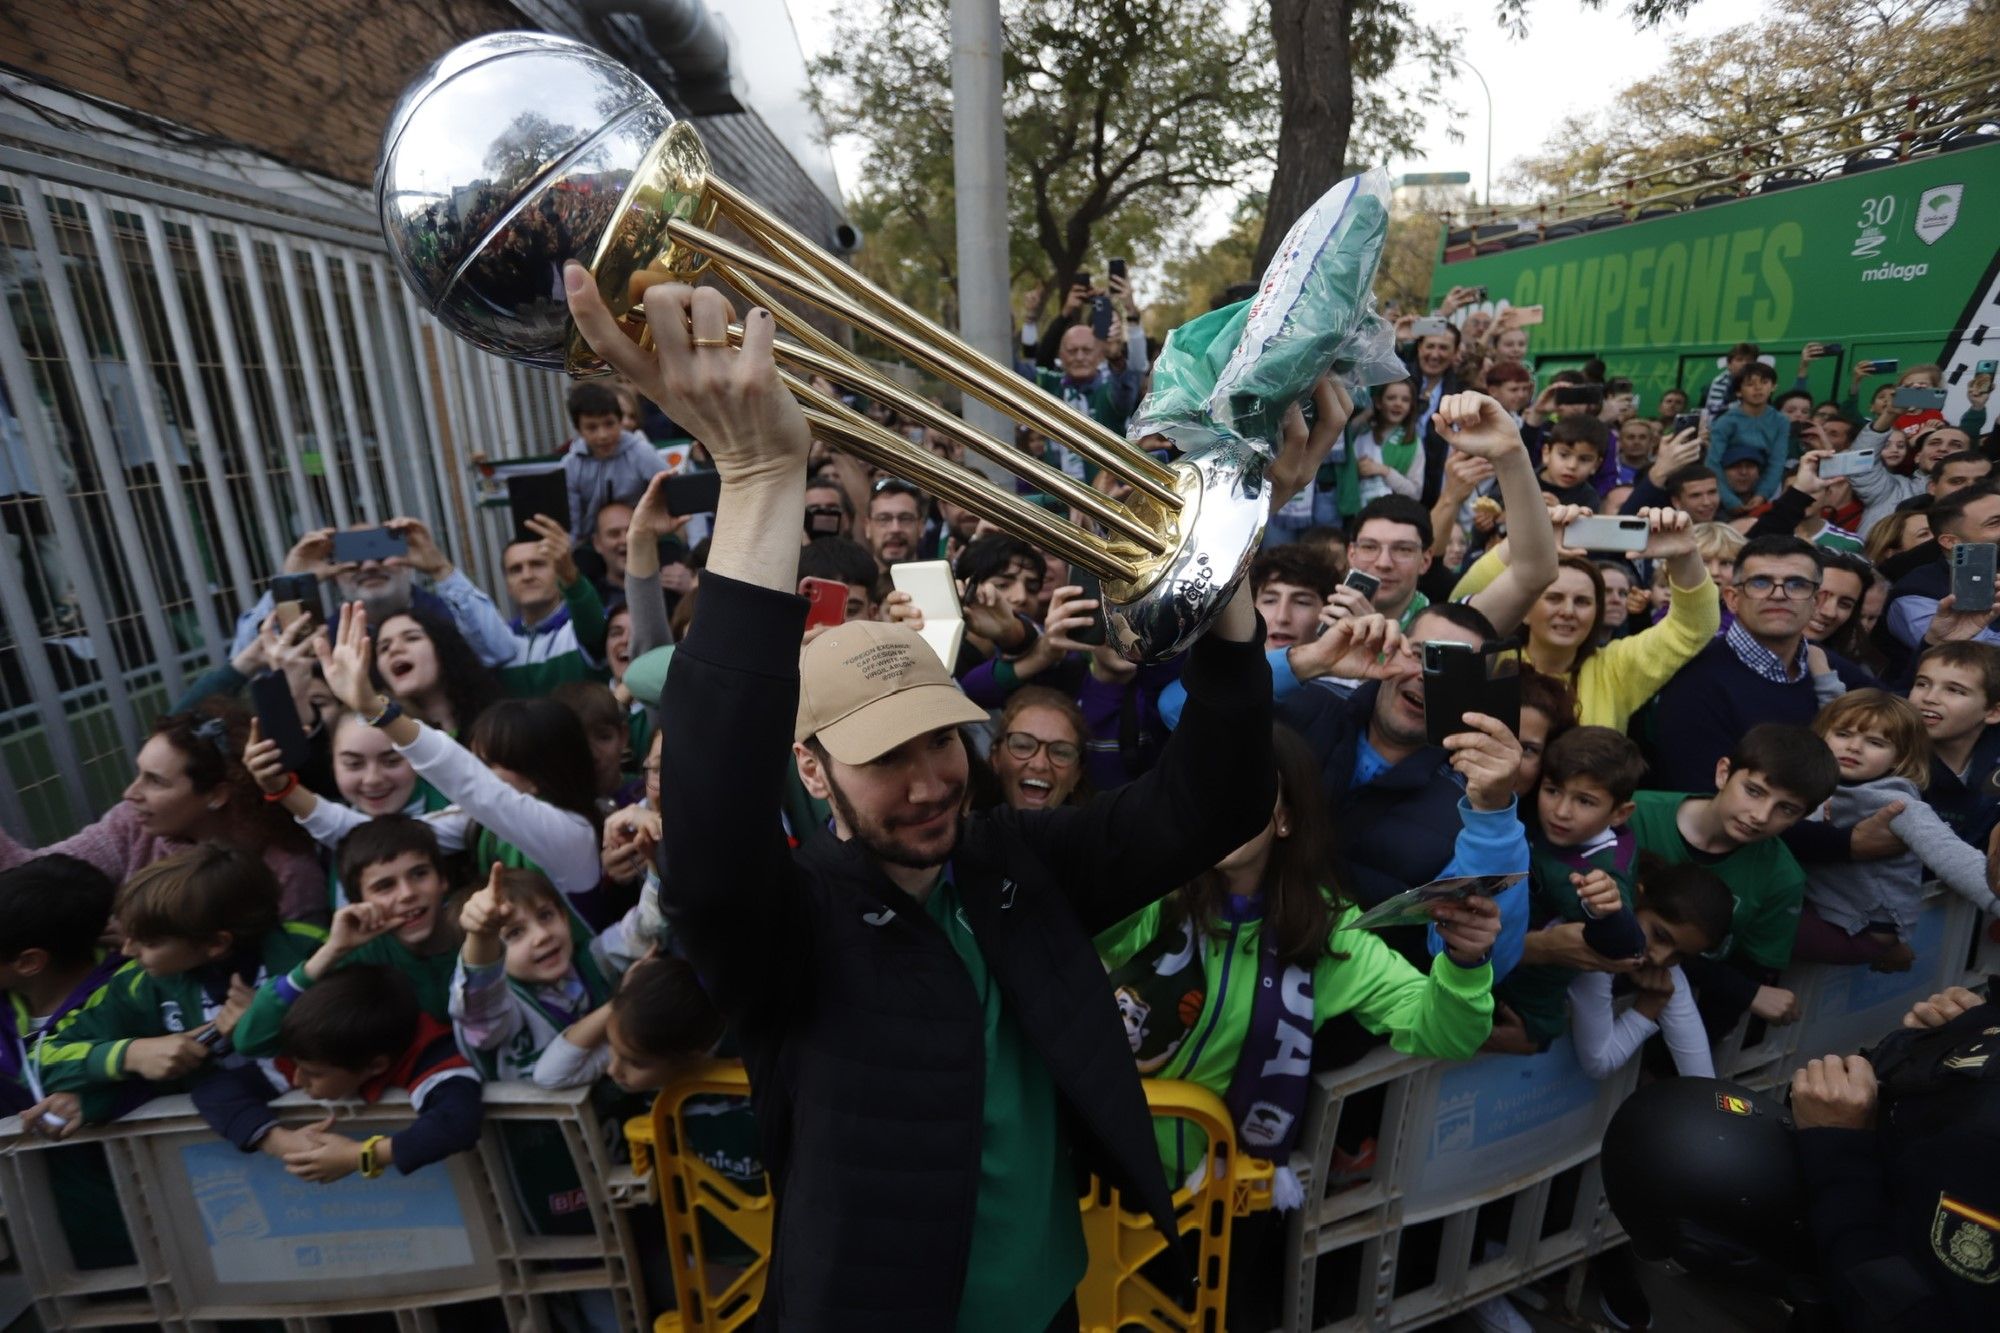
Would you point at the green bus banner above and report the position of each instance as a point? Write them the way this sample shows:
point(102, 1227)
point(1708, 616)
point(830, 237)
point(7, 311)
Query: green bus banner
point(1894, 263)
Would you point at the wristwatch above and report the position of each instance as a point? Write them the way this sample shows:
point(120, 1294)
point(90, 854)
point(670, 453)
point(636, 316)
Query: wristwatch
point(369, 1167)
point(388, 712)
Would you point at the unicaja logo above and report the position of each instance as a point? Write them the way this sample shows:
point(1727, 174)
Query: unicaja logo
point(1895, 273)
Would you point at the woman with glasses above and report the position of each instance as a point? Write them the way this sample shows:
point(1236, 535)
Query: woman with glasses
point(1038, 757)
point(1611, 681)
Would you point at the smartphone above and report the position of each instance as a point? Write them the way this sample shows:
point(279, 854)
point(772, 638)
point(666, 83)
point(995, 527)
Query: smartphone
point(1093, 588)
point(1457, 681)
point(1425, 328)
point(693, 493)
point(1797, 430)
point(295, 595)
point(1573, 395)
point(1916, 398)
point(369, 544)
point(1972, 575)
point(1686, 421)
point(826, 601)
point(533, 493)
point(1082, 279)
point(1831, 349)
point(935, 592)
point(1608, 532)
point(1849, 463)
point(1986, 368)
point(1878, 367)
point(823, 520)
point(1116, 268)
point(1365, 584)
point(1479, 293)
point(1100, 317)
point(278, 718)
point(1524, 315)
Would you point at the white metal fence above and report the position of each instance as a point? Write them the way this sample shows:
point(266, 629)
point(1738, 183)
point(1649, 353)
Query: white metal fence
point(1484, 1176)
point(188, 381)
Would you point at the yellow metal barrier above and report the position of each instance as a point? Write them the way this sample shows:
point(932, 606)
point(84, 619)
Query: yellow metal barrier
point(1116, 1292)
point(711, 1298)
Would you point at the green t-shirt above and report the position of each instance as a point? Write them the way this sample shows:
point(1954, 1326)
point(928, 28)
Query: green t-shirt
point(1765, 881)
point(1027, 1233)
point(1538, 993)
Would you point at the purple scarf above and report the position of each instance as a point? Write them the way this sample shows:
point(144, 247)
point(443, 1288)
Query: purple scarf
point(1267, 1093)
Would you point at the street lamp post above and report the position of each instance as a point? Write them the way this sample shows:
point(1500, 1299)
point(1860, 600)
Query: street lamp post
point(1487, 198)
point(979, 176)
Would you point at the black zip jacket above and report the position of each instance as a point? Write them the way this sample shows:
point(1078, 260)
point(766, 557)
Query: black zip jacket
point(859, 1024)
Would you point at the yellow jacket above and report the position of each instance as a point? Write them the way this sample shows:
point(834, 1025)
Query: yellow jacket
point(1617, 679)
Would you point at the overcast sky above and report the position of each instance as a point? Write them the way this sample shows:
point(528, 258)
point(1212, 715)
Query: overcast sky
point(1573, 59)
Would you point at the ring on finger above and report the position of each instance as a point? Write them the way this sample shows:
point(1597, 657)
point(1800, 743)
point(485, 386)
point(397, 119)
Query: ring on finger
point(710, 342)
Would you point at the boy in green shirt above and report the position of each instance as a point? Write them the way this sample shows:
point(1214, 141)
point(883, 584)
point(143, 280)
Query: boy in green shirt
point(394, 869)
point(559, 624)
point(202, 930)
point(1581, 867)
point(52, 913)
point(1775, 776)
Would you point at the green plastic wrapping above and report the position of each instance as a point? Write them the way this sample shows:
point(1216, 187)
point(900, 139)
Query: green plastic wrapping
point(1227, 378)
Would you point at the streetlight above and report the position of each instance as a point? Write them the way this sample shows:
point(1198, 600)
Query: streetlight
point(1487, 198)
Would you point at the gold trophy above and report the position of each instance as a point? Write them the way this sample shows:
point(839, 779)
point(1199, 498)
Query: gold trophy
point(517, 151)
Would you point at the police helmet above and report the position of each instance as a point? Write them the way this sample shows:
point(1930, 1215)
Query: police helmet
point(1704, 1172)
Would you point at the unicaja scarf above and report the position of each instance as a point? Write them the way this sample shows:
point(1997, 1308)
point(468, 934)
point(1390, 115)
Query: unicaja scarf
point(1161, 993)
point(1267, 1093)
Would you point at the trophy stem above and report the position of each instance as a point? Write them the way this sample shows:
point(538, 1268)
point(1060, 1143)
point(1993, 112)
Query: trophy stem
point(846, 294)
point(823, 357)
point(876, 444)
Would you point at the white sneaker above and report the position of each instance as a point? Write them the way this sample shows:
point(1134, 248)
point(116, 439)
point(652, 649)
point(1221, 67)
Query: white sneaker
point(1498, 1315)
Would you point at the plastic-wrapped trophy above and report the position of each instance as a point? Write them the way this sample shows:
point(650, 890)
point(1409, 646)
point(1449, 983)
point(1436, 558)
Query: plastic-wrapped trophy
point(516, 152)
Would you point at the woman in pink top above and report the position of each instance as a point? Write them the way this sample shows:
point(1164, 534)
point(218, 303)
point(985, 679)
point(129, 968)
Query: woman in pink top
point(191, 787)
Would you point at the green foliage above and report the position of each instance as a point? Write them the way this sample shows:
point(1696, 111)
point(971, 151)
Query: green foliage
point(1796, 67)
point(1513, 14)
point(1121, 114)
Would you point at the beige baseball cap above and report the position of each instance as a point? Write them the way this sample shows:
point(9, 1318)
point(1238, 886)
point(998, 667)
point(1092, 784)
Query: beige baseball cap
point(867, 686)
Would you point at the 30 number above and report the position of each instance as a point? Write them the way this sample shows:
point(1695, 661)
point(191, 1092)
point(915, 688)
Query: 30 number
point(1877, 212)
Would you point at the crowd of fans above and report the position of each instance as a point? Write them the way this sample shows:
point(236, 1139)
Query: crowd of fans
point(1755, 739)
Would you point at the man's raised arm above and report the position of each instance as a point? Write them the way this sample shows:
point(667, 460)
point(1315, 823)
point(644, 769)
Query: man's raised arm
point(727, 711)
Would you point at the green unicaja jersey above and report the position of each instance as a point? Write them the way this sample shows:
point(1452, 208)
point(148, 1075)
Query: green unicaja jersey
point(1447, 1013)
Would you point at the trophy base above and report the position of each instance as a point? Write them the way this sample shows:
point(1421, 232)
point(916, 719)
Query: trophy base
point(1221, 524)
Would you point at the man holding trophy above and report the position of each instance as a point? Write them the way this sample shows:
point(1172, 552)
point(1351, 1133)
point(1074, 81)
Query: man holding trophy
point(934, 1053)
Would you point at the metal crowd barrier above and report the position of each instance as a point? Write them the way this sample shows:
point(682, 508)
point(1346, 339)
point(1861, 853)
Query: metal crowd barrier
point(1846, 1007)
point(219, 1235)
point(1429, 1187)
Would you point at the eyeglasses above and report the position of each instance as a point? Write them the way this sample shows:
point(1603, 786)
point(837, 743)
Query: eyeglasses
point(1402, 553)
point(1792, 587)
point(1021, 745)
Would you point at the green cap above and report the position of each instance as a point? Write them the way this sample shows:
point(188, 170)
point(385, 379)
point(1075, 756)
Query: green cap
point(646, 677)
